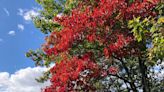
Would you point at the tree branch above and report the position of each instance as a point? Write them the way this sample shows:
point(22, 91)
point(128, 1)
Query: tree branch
point(133, 87)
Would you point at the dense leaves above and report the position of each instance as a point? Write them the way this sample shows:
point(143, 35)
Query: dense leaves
point(101, 45)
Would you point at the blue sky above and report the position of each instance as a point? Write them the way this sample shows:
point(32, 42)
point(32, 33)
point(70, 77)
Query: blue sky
point(17, 34)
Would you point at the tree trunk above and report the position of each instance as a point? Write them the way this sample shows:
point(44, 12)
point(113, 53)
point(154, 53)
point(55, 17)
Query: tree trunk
point(143, 70)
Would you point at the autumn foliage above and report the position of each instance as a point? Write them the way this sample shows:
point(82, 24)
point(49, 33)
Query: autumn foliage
point(92, 35)
point(92, 22)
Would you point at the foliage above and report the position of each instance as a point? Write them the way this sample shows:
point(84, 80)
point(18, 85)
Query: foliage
point(101, 45)
point(50, 9)
point(150, 30)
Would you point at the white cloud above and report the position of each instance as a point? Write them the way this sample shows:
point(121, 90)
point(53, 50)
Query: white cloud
point(12, 33)
point(6, 11)
point(28, 14)
point(20, 27)
point(22, 80)
point(21, 11)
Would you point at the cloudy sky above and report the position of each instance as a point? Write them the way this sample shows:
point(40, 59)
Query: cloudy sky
point(17, 36)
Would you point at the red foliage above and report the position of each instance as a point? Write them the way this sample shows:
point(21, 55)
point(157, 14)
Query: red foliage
point(93, 23)
point(113, 70)
point(87, 21)
point(66, 71)
point(106, 52)
point(91, 37)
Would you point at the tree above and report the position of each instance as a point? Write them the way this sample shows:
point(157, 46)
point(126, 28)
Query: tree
point(101, 45)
